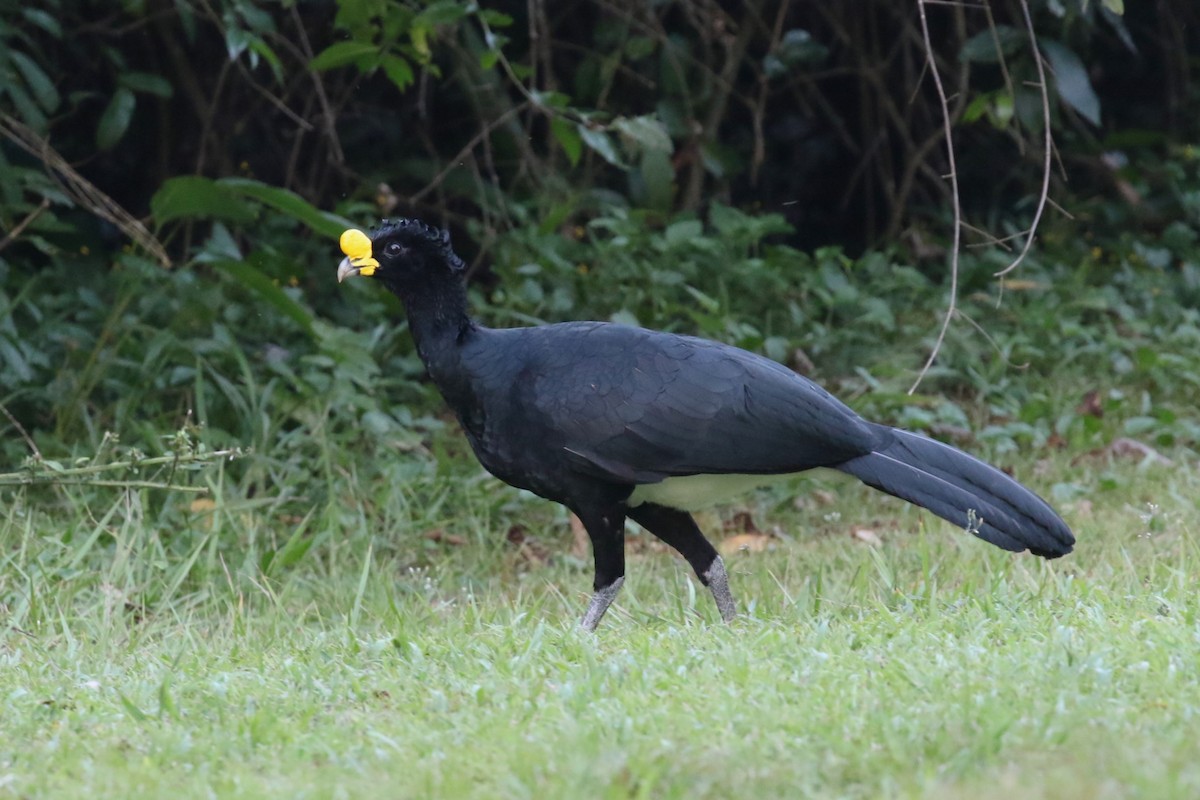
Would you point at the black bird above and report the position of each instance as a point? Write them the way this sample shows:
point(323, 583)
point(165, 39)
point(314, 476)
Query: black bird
point(619, 422)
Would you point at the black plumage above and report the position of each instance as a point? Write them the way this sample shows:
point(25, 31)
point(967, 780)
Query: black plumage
point(609, 419)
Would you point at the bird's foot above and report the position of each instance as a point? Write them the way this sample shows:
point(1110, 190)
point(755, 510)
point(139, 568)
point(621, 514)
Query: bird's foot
point(718, 584)
point(601, 600)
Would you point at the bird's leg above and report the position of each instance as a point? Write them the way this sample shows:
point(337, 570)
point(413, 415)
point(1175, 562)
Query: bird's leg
point(678, 529)
point(718, 583)
point(607, 532)
point(599, 603)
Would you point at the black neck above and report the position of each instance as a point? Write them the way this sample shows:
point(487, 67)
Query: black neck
point(440, 325)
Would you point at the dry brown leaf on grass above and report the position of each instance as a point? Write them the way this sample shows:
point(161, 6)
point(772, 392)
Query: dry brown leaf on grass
point(744, 543)
point(1021, 285)
point(866, 536)
point(801, 363)
point(1125, 447)
point(824, 497)
point(530, 550)
point(1132, 448)
point(741, 521)
point(1090, 405)
point(439, 535)
point(205, 510)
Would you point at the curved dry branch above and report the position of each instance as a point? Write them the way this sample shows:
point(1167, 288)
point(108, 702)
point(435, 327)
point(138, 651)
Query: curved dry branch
point(952, 309)
point(79, 188)
point(1048, 144)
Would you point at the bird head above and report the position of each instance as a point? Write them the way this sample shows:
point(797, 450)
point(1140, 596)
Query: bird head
point(400, 252)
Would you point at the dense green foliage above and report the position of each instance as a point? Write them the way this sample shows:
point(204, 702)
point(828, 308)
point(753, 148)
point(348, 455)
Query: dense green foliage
point(592, 163)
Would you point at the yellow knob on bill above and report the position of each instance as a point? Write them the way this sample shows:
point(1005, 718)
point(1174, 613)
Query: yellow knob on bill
point(358, 261)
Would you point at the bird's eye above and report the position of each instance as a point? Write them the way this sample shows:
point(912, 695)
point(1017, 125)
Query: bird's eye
point(393, 249)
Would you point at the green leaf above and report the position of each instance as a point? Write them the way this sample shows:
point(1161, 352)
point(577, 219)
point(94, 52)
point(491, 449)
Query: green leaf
point(27, 109)
point(147, 82)
point(602, 143)
point(683, 231)
point(497, 19)
point(1002, 109)
point(14, 361)
point(647, 131)
point(131, 708)
point(191, 196)
point(116, 118)
point(43, 20)
point(237, 39)
point(981, 48)
point(38, 82)
point(796, 49)
point(567, 135)
point(358, 16)
point(443, 12)
point(1115, 6)
point(256, 19)
point(264, 50)
point(977, 107)
point(166, 701)
point(220, 246)
point(704, 301)
point(398, 70)
point(658, 177)
point(257, 281)
point(551, 99)
point(1071, 80)
point(343, 53)
point(292, 551)
point(289, 203)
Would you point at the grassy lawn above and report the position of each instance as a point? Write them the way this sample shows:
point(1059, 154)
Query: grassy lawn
point(148, 652)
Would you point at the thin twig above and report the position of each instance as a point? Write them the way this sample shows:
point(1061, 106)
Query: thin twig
point(128, 485)
point(79, 188)
point(1002, 62)
point(467, 148)
point(953, 307)
point(992, 341)
point(80, 475)
point(329, 118)
point(12, 235)
point(21, 430)
point(1047, 144)
point(989, 239)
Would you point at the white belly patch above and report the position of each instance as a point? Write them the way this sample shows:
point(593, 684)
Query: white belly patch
point(696, 492)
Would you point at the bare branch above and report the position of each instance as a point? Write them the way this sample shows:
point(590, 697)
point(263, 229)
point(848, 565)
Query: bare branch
point(1047, 144)
point(484, 132)
point(17, 229)
point(21, 429)
point(952, 309)
point(79, 188)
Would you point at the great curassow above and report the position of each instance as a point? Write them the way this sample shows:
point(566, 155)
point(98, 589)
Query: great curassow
point(619, 422)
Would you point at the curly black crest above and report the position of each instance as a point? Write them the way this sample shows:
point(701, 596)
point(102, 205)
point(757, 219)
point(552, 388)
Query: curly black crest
point(416, 230)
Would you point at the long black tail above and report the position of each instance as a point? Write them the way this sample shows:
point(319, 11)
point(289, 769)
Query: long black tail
point(963, 490)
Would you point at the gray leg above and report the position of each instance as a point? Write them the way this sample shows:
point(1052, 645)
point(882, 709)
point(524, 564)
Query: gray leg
point(678, 529)
point(718, 584)
point(606, 529)
point(601, 600)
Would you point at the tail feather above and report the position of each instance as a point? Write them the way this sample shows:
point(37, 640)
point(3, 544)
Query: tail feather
point(963, 490)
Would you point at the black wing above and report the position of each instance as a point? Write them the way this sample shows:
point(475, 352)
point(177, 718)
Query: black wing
point(638, 406)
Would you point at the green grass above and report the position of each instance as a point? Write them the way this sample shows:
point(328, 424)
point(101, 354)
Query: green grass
point(147, 653)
